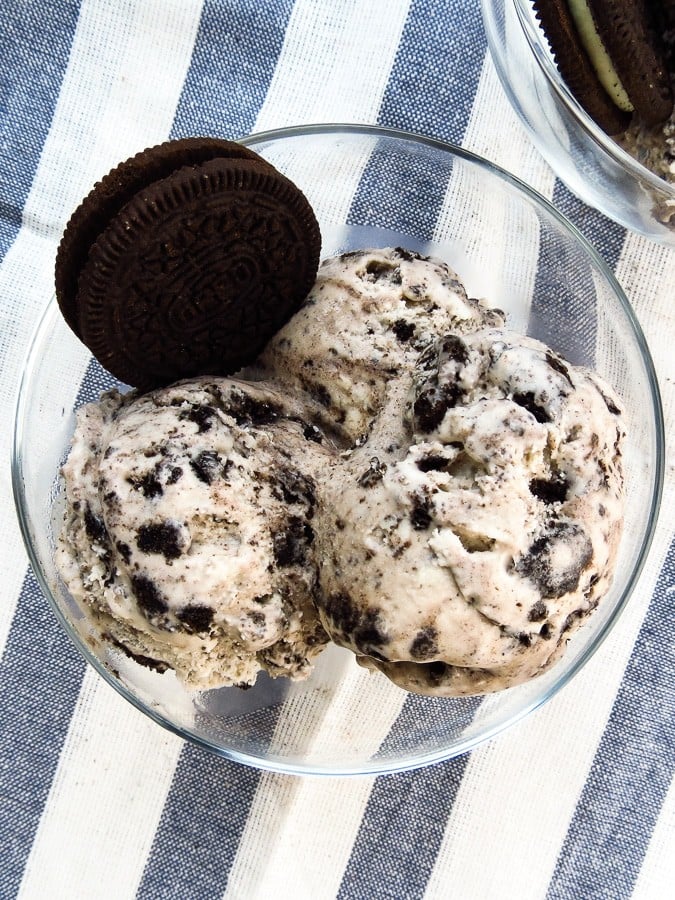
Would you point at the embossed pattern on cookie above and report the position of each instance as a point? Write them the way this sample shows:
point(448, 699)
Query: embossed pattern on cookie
point(112, 192)
point(195, 273)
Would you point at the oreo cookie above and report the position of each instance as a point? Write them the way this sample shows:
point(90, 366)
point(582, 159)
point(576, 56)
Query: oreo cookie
point(112, 192)
point(184, 260)
point(610, 58)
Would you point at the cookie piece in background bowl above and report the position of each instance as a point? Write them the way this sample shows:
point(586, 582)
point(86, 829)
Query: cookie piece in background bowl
point(532, 56)
point(609, 54)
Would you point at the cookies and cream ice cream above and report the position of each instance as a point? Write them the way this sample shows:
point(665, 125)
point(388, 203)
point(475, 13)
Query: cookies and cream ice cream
point(398, 473)
point(189, 528)
point(458, 557)
point(363, 326)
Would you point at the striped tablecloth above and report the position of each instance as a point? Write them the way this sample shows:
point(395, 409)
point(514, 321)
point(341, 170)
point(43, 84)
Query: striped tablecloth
point(96, 801)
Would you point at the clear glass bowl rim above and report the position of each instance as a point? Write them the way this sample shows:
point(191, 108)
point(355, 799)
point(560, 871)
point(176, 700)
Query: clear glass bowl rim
point(375, 766)
point(569, 101)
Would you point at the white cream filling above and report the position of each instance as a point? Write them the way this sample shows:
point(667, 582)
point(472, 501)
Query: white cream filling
point(604, 68)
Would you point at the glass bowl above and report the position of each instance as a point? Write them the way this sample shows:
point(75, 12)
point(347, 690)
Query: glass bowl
point(372, 187)
point(591, 164)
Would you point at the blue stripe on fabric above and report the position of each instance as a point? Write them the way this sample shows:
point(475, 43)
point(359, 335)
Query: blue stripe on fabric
point(40, 676)
point(440, 61)
point(606, 236)
point(448, 89)
point(35, 41)
point(422, 719)
point(400, 193)
point(435, 76)
point(198, 834)
point(633, 766)
point(235, 54)
point(561, 285)
point(401, 832)
point(397, 844)
point(95, 382)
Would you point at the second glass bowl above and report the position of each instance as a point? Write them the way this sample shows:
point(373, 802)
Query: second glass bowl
point(591, 164)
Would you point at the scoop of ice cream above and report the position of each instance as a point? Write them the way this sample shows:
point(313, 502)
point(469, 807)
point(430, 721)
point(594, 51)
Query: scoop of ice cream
point(364, 323)
point(459, 554)
point(189, 528)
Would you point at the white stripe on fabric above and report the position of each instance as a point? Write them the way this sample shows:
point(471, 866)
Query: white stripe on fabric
point(115, 770)
point(657, 874)
point(26, 278)
point(494, 132)
point(304, 845)
point(649, 280)
point(461, 223)
point(105, 112)
point(647, 274)
point(341, 692)
point(117, 51)
point(273, 852)
point(519, 794)
point(274, 849)
point(320, 77)
point(334, 64)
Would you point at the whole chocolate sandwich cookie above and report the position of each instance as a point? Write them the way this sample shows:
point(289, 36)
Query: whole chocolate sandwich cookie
point(610, 55)
point(185, 260)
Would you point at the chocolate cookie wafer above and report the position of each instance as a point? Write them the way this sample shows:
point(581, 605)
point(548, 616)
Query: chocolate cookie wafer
point(197, 272)
point(575, 67)
point(610, 59)
point(623, 30)
point(109, 195)
point(184, 261)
